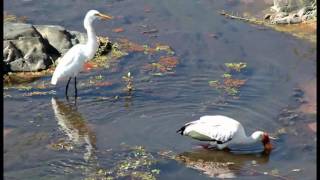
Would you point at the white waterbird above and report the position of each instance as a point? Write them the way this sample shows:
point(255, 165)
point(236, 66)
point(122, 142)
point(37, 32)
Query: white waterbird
point(222, 132)
point(72, 62)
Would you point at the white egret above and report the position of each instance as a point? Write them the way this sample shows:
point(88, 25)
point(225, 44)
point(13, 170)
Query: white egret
point(223, 132)
point(72, 62)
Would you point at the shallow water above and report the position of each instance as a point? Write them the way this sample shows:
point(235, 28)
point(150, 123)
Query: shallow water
point(158, 106)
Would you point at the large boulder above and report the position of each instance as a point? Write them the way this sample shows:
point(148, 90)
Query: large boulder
point(59, 37)
point(29, 47)
point(25, 49)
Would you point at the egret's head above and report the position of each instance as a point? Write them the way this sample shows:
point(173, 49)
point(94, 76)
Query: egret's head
point(92, 15)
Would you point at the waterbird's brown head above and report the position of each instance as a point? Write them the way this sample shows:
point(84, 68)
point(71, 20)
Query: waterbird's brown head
point(266, 142)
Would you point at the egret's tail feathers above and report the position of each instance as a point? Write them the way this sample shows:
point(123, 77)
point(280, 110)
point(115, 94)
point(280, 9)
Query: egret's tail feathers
point(54, 80)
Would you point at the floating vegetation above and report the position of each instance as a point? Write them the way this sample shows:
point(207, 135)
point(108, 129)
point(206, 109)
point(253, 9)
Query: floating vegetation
point(12, 18)
point(24, 88)
point(107, 52)
point(129, 82)
point(61, 145)
point(129, 46)
point(37, 93)
point(105, 83)
point(165, 65)
point(226, 75)
point(137, 164)
point(229, 84)
point(99, 77)
point(133, 163)
point(236, 66)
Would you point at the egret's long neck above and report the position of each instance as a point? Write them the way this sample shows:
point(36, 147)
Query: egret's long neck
point(92, 38)
point(92, 43)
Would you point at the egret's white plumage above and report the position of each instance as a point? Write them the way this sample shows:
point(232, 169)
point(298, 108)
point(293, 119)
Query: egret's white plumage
point(72, 62)
point(222, 132)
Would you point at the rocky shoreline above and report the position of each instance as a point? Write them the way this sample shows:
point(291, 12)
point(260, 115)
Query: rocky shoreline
point(289, 12)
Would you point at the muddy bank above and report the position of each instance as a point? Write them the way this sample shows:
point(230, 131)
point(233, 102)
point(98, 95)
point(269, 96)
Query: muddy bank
point(298, 18)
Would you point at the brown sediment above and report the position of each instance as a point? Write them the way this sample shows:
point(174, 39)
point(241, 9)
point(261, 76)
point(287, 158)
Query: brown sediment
point(6, 131)
point(305, 30)
point(313, 127)
point(24, 77)
point(310, 97)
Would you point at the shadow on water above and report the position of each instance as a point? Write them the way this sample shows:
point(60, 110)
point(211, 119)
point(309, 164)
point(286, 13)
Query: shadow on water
point(221, 164)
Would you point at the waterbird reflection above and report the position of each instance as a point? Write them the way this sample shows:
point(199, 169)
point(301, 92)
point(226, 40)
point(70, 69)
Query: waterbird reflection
point(221, 164)
point(72, 124)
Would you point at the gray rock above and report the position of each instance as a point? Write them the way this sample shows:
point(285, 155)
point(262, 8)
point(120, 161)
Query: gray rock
point(60, 38)
point(25, 49)
point(78, 37)
point(33, 48)
point(302, 12)
point(57, 37)
point(14, 31)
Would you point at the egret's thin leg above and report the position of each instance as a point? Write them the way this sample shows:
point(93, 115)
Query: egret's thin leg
point(75, 87)
point(67, 88)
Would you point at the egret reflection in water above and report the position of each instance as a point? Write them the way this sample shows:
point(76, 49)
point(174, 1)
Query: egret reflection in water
point(72, 124)
point(221, 164)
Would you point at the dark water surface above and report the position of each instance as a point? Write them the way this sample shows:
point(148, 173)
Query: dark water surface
point(160, 105)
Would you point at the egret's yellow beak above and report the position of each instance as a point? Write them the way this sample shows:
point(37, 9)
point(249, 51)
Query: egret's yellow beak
point(104, 16)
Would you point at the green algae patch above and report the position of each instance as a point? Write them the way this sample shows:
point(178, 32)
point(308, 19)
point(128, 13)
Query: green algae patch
point(230, 85)
point(236, 66)
point(107, 53)
point(130, 163)
point(137, 164)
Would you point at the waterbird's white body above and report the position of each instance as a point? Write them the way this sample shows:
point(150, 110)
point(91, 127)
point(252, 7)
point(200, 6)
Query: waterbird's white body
point(72, 62)
point(221, 132)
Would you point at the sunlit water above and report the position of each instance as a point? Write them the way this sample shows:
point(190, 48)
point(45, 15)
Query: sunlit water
point(158, 106)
